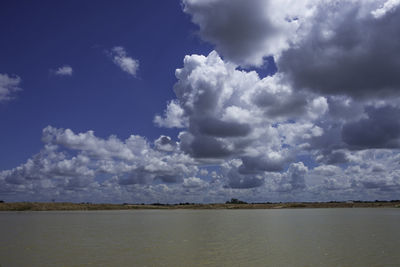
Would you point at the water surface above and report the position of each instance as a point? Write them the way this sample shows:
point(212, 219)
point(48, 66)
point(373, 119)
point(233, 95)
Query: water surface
point(291, 237)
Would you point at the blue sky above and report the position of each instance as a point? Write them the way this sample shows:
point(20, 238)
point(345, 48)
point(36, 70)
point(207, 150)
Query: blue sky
point(39, 38)
point(199, 101)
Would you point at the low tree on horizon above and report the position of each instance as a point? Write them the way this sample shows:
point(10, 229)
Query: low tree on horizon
point(235, 201)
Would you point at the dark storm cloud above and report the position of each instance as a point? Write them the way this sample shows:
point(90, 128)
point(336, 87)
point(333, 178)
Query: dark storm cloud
point(238, 29)
point(342, 108)
point(293, 105)
point(329, 147)
point(329, 47)
point(380, 130)
point(352, 54)
point(257, 164)
point(202, 146)
point(219, 128)
point(238, 180)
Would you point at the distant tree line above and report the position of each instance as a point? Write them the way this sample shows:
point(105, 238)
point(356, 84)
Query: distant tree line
point(235, 201)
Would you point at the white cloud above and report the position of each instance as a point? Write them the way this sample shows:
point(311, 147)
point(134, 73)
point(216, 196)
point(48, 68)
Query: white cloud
point(66, 169)
point(294, 178)
point(121, 59)
point(193, 182)
point(173, 117)
point(71, 164)
point(246, 31)
point(64, 71)
point(324, 127)
point(165, 143)
point(93, 146)
point(228, 112)
point(8, 86)
point(328, 47)
point(343, 48)
point(386, 7)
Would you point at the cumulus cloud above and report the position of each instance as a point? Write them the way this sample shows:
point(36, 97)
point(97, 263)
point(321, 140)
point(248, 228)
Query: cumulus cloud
point(71, 162)
point(324, 127)
point(237, 180)
point(121, 59)
point(64, 71)
point(245, 32)
point(193, 182)
point(347, 51)
point(388, 6)
point(381, 129)
point(342, 55)
point(173, 116)
point(52, 169)
point(231, 113)
point(328, 47)
point(328, 99)
point(9, 85)
point(165, 143)
point(66, 169)
point(294, 178)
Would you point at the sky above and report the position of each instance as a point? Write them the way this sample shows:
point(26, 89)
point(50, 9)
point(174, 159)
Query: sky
point(199, 100)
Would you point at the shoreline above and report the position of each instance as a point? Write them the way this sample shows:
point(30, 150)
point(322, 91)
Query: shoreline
point(66, 206)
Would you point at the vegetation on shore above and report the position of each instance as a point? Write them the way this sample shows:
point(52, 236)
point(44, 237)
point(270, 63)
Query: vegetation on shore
point(233, 204)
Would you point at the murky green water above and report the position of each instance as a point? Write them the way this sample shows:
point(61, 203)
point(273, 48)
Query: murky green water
point(296, 237)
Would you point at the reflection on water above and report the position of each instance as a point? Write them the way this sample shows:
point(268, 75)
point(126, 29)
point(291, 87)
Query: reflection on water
point(295, 237)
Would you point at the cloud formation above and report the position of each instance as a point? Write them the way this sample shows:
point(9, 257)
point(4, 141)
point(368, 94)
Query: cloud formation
point(9, 85)
point(69, 163)
point(64, 71)
point(229, 113)
point(84, 167)
point(347, 52)
point(246, 32)
point(324, 127)
point(388, 6)
point(121, 59)
point(381, 129)
point(328, 47)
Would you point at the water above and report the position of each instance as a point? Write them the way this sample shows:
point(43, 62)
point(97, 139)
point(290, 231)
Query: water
point(295, 237)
